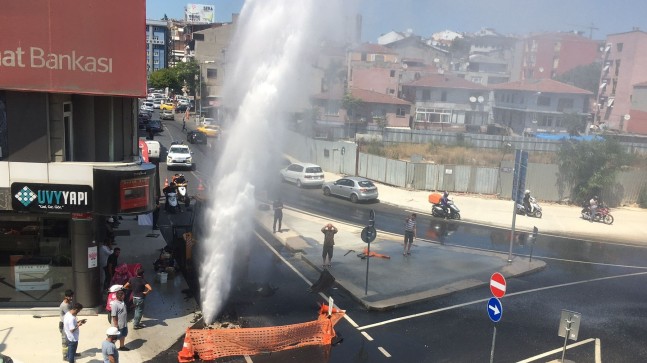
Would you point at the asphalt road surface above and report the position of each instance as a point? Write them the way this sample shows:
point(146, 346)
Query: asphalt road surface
point(604, 282)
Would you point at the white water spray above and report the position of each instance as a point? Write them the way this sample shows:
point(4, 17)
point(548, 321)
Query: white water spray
point(273, 49)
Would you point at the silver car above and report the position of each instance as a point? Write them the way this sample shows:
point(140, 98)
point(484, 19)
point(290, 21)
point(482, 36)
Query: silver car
point(303, 174)
point(353, 188)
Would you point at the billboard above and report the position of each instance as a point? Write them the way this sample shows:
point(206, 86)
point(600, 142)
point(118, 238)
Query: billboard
point(199, 14)
point(74, 46)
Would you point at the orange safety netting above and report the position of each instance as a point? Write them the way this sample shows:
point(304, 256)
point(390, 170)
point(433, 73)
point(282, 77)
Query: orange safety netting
point(212, 344)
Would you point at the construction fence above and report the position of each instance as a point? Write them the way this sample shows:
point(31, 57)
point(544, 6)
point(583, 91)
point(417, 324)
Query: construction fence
point(543, 180)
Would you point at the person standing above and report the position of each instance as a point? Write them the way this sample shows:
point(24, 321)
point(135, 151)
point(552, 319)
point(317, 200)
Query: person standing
point(111, 264)
point(278, 214)
point(329, 232)
point(409, 233)
point(120, 318)
point(140, 289)
point(65, 306)
point(71, 327)
point(108, 347)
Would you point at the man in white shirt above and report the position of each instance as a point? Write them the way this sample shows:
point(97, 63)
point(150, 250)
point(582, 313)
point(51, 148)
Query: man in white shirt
point(71, 327)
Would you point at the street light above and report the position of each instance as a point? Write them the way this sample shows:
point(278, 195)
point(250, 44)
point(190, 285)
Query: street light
point(200, 86)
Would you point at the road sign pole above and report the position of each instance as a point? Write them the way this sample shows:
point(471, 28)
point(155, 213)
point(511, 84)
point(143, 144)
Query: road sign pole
point(370, 236)
point(493, 341)
point(368, 258)
point(568, 329)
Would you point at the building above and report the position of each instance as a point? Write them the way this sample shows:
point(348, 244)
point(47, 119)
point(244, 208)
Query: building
point(375, 68)
point(541, 106)
point(552, 54)
point(69, 148)
point(623, 68)
point(637, 122)
point(444, 100)
point(157, 40)
point(414, 47)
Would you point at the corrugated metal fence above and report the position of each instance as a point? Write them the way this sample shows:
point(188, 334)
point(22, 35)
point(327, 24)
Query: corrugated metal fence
point(541, 179)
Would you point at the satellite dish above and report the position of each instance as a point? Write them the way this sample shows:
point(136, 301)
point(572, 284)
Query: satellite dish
point(481, 99)
point(472, 99)
point(404, 66)
point(627, 117)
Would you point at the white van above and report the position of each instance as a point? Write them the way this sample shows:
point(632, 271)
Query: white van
point(153, 149)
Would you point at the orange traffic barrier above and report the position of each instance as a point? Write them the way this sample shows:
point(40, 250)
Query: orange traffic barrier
point(200, 186)
point(186, 354)
point(211, 344)
point(165, 182)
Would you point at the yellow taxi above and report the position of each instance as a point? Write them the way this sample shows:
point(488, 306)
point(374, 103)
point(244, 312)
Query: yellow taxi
point(210, 130)
point(167, 106)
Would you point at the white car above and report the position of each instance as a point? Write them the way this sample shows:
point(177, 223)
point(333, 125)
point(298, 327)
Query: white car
point(179, 155)
point(157, 104)
point(303, 174)
point(147, 106)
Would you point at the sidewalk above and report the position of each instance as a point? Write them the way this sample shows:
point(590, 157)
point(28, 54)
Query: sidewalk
point(32, 336)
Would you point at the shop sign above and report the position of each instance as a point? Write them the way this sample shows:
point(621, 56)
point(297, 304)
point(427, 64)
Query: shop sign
point(48, 198)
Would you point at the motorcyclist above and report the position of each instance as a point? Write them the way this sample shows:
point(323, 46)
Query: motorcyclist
point(444, 203)
point(526, 202)
point(178, 179)
point(171, 188)
point(593, 207)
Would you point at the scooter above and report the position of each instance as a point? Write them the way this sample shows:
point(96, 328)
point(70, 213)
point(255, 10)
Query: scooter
point(172, 205)
point(535, 209)
point(453, 213)
point(181, 185)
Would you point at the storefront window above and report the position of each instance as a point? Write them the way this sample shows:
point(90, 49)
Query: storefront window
point(35, 260)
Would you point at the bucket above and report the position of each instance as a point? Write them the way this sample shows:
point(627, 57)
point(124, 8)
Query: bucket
point(162, 277)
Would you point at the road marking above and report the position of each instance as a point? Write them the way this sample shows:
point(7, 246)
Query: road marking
point(348, 318)
point(407, 317)
point(248, 359)
point(598, 350)
point(386, 354)
point(368, 337)
point(555, 351)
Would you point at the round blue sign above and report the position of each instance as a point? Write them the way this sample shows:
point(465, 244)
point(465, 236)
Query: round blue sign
point(494, 309)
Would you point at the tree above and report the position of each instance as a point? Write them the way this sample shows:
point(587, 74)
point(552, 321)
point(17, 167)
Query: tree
point(163, 78)
point(187, 72)
point(584, 77)
point(588, 167)
point(352, 106)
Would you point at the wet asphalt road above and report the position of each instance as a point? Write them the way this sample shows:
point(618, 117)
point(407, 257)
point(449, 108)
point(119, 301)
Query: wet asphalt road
point(604, 282)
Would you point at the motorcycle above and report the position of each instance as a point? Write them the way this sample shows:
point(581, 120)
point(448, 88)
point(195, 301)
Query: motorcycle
point(535, 209)
point(172, 205)
point(453, 211)
point(181, 186)
point(601, 215)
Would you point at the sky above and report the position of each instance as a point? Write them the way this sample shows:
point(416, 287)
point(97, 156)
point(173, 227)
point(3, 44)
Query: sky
point(425, 17)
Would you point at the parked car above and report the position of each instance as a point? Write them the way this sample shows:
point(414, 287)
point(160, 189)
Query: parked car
point(155, 126)
point(157, 103)
point(179, 155)
point(147, 106)
point(154, 149)
point(210, 130)
point(353, 188)
point(196, 137)
point(303, 174)
point(167, 106)
point(167, 115)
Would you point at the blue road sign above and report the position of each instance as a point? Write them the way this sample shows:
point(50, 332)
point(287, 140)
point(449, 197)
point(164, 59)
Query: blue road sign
point(494, 309)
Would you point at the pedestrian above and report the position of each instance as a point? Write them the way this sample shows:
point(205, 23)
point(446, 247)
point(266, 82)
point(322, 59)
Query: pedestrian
point(104, 252)
point(156, 213)
point(65, 306)
point(278, 214)
point(110, 229)
point(119, 315)
point(111, 264)
point(329, 241)
point(140, 289)
point(108, 347)
point(184, 124)
point(409, 233)
point(71, 327)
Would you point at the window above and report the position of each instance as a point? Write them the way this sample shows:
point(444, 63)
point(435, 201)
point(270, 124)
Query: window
point(392, 73)
point(401, 111)
point(156, 53)
point(543, 101)
point(443, 96)
point(426, 94)
point(564, 104)
point(379, 58)
point(212, 73)
point(156, 61)
point(363, 57)
point(198, 37)
point(617, 67)
point(545, 121)
point(331, 109)
point(619, 46)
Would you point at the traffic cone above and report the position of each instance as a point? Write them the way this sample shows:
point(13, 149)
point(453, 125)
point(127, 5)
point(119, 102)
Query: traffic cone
point(165, 182)
point(200, 186)
point(187, 353)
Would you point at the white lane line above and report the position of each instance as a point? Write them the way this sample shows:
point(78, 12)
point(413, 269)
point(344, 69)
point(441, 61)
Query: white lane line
point(386, 354)
point(348, 318)
point(598, 350)
point(248, 359)
point(368, 337)
point(407, 317)
point(555, 351)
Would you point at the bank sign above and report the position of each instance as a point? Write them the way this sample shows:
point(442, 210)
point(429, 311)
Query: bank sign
point(51, 198)
point(77, 46)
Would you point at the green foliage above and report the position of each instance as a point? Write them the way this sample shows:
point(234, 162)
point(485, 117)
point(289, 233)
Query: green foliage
point(187, 73)
point(163, 78)
point(352, 105)
point(642, 198)
point(585, 77)
point(589, 167)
